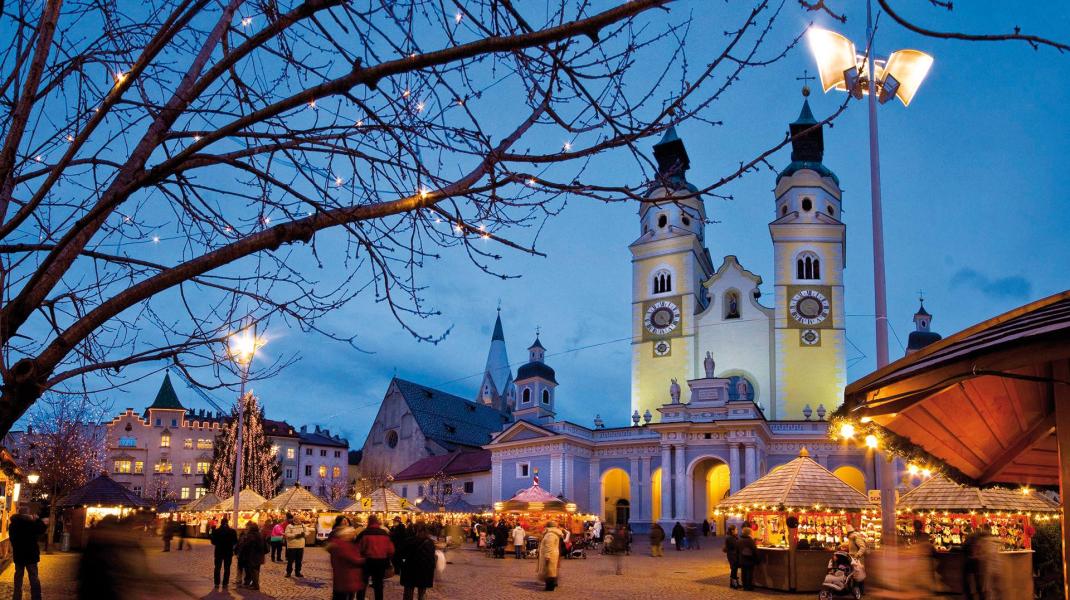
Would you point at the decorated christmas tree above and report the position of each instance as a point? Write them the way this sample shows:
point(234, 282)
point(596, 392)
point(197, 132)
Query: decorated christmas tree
point(260, 466)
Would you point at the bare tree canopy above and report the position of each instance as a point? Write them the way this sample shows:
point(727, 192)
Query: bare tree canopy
point(293, 156)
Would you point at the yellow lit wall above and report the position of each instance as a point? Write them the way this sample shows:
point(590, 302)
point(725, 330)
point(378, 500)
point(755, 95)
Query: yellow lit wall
point(615, 486)
point(852, 477)
point(655, 494)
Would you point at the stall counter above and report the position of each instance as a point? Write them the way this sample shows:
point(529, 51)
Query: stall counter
point(791, 570)
point(1017, 569)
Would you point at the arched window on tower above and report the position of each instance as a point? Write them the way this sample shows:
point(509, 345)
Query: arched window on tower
point(546, 396)
point(527, 395)
point(808, 266)
point(662, 281)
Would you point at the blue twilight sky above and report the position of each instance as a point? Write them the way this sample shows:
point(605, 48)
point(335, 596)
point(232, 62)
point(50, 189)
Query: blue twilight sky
point(974, 209)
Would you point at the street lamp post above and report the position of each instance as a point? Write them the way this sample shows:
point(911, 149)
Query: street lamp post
point(899, 76)
point(243, 347)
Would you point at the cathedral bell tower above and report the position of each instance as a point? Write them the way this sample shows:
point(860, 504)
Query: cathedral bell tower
point(669, 262)
point(809, 255)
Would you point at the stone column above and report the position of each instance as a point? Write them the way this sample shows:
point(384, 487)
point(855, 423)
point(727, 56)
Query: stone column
point(566, 478)
point(733, 469)
point(496, 479)
point(594, 492)
point(681, 491)
point(635, 489)
point(666, 484)
point(647, 501)
point(751, 461)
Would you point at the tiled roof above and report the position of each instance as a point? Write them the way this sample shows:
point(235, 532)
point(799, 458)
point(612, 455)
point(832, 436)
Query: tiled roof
point(247, 500)
point(799, 483)
point(453, 505)
point(279, 428)
point(166, 397)
point(295, 498)
point(450, 420)
point(316, 438)
point(380, 500)
point(940, 493)
point(454, 463)
point(104, 491)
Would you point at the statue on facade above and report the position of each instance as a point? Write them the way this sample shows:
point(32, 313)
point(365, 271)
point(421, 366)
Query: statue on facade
point(708, 364)
point(742, 389)
point(674, 391)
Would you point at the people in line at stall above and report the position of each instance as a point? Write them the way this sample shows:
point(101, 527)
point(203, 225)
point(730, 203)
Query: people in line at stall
point(519, 538)
point(748, 557)
point(657, 539)
point(731, 550)
point(377, 549)
point(224, 539)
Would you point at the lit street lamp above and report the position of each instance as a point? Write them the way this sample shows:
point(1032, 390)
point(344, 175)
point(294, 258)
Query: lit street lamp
point(898, 77)
point(33, 478)
point(242, 347)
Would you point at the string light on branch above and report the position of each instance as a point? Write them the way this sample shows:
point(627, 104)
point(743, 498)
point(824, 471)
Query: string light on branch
point(360, 122)
point(155, 239)
point(266, 220)
point(532, 182)
point(338, 181)
point(405, 94)
point(419, 107)
point(457, 17)
point(424, 193)
point(69, 138)
point(120, 77)
point(38, 158)
point(247, 21)
point(196, 138)
point(567, 146)
point(312, 103)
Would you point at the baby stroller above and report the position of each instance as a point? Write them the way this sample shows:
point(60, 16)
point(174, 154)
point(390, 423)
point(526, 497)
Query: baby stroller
point(532, 548)
point(840, 581)
point(578, 549)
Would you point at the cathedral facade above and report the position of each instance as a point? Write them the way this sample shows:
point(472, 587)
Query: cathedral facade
point(724, 387)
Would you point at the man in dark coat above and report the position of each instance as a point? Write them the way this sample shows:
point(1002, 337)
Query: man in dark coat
point(224, 539)
point(24, 530)
point(377, 550)
point(748, 558)
point(657, 539)
point(398, 535)
point(731, 550)
point(418, 560)
point(678, 536)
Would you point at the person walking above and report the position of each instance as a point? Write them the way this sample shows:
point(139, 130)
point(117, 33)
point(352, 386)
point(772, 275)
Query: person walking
point(549, 565)
point(678, 536)
point(596, 531)
point(693, 538)
point(183, 535)
point(377, 549)
point(251, 550)
point(224, 539)
point(294, 534)
point(731, 550)
point(705, 528)
point(24, 529)
point(278, 542)
point(418, 562)
point(398, 535)
point(519, 537)
point(168, 533)
point(748, 558)
point(346, 560)
point(657, 539)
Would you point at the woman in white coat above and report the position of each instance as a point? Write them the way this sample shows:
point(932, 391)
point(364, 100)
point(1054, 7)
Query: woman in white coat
point(550, 555)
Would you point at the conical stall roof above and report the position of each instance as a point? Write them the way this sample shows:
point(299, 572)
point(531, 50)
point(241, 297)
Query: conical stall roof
point(104, 491)
point(248, 500)
point(382, 500)
point(456, 505)
point(534, 499)
point(940, 493)
point(295, 498)
point(202, 504)
point(800, 483)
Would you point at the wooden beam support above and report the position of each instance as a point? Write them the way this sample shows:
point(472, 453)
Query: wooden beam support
point(1037, 432)
point(1061, 370)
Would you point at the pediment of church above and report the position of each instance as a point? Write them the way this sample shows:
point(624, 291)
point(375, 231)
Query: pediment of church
point(522, 430)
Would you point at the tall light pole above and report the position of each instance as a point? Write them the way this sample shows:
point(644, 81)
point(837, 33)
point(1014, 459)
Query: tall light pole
point(899, 76)
point(242, 347)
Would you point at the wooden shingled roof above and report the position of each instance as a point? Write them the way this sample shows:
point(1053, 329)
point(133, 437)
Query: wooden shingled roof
point(295, 498)
point(204, 503)
point(799, 483)
point(940, 493)
point(381, 500)
point(103, 491)
point(248, 500)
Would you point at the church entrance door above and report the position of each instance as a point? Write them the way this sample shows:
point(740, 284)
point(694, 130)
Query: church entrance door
point(616, 487)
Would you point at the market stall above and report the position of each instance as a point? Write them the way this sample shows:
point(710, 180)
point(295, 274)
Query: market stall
point(534, 507)
point(988, 405)
point(95, 500)
point(799, 514)
point(948, 513)
point(197, 514)
point(249, 503)
point(11, 477)
point(384, 502)
point(306, 506)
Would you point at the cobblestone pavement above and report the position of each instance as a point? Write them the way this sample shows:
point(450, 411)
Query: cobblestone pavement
point(470, 576)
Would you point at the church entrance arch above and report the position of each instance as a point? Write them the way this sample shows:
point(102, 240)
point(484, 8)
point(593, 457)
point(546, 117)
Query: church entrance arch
point(710, 481)
point(616, 487)
point(655, 494)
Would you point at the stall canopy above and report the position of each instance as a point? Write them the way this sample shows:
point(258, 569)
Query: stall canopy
point(800, 483)
point(991, 402)
point(940, 493)
point(295, 498)
point(104, 491)
point(341, 504)
point(382, 500)
point(453, 505)
point(248, 501)
point(204, 503)
point(535, 499)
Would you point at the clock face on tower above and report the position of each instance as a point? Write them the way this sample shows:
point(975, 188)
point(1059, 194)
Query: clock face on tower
point(662, 317)
point(809, 307)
